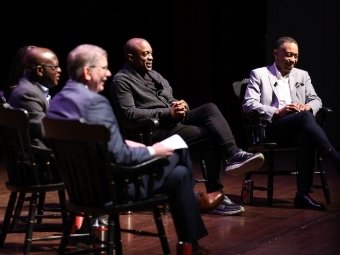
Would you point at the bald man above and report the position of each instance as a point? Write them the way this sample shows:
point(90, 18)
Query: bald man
point(140, 92)
point(41, 72)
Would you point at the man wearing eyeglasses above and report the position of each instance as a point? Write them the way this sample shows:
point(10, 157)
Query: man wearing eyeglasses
point(41, 72)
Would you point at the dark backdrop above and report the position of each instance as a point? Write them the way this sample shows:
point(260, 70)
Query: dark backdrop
point(201, 47)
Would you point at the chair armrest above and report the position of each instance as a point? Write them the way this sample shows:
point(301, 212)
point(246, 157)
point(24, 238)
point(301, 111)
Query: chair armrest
point(152, 122)
point(322, 114)
point(41, 151)
point(254, 113)
point(146, 165)
point(324, 110)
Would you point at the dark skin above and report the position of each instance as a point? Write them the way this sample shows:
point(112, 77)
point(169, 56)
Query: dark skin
point(138, 54)
point(42, 65)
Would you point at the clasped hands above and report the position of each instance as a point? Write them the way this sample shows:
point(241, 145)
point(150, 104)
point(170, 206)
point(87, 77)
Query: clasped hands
point(291, 108)
point(178, 109)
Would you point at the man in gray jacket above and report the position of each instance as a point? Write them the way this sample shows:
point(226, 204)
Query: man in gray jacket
point(41, 72)
point(140, 92)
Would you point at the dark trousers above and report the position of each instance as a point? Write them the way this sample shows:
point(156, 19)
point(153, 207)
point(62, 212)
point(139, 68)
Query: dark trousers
point(206, 131)
point(302, 130)
point(179, 186)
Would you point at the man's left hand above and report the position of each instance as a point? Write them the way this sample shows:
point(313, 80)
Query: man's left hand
point(181, 107)
point(302, 107)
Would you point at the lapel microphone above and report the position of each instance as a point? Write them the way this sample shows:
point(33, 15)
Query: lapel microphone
point(275, 84)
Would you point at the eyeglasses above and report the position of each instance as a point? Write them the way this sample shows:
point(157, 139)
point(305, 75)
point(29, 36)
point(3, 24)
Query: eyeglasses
point(103, 68)
point(54, 68)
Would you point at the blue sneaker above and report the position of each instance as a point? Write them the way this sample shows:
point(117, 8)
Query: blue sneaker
point(242, 162)
point(227, 207)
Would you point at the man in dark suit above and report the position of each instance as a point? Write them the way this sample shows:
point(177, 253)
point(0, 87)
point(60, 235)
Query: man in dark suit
point(140, 92)
point(87, 67)
point(289, 101)
point(41, 72)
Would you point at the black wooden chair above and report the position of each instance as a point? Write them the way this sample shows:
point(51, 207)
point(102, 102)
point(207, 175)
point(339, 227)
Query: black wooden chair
point(95, 186)
point(141, 131)
point(257, 143)
point(29, 175)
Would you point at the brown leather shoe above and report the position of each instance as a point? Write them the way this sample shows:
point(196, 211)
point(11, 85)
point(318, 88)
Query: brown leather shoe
point(201, 251)
point(209, 201)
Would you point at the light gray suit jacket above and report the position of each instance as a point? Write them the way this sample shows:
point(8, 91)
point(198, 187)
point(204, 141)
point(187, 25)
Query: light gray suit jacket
point(261, 93)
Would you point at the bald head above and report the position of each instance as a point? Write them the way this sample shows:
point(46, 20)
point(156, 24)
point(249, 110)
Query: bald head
point(38, 56)
point(138, 53)
point(42, 65)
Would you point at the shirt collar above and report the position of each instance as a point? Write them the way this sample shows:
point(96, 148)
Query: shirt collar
point(278, 74)
point(43, 89)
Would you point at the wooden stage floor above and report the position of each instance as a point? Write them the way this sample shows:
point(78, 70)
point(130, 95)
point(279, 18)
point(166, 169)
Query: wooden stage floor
point(280, 229)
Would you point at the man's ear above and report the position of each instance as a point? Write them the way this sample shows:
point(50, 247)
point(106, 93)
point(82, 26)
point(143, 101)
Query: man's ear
point(275, 52)
point(40, 71)
point(130, 57)
point(87, 73)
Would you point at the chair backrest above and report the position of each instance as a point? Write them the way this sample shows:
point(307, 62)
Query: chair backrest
point(81, 154)
point(240, 89)
point(253, 126)
point(2, 97)
point(23, 166)
point(84, 162)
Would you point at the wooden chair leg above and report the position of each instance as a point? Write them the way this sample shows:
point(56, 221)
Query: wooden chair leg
point(270, 185)
point(115, 226)
point(324, 182)
point(110, 241)
point(165, 208)
point(161, 231)
point(30, 223)
point(203, 168)
point(247, 177)
point(66, 233)
point(63, 211)
point(8, 215)
point(17, 211)
point(41, 203)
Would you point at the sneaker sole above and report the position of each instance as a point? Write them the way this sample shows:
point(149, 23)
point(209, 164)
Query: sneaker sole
point(225, 213)
point(251, 164)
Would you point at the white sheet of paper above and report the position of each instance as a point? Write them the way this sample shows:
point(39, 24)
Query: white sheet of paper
point(174, 142)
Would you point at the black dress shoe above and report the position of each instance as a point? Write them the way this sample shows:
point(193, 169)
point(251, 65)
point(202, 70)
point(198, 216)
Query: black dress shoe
point(304, 201)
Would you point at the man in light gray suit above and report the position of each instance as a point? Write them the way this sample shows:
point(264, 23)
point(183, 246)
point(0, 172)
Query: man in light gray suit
point(289, 101)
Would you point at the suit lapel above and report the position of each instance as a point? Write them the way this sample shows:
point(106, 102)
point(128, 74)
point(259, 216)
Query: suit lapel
point(273, 79)
point(292, 82)
point(37, 90)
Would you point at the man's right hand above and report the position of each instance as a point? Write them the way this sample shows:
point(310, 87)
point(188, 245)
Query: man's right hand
point(160, 150)
point(287, 109)
point(178, 109)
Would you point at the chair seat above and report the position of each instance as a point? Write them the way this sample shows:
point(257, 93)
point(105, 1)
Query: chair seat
point(134, 206)
point(34, 188)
